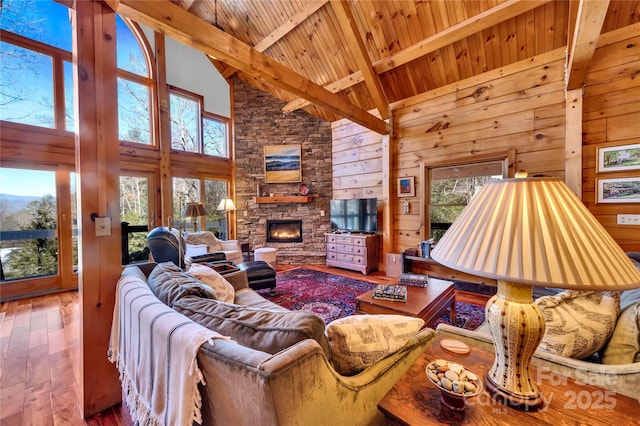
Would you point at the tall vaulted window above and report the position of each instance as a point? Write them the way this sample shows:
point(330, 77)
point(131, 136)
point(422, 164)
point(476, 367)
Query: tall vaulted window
point(135, 85)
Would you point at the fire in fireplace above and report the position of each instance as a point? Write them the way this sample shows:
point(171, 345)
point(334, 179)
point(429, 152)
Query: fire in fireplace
point(284, 231)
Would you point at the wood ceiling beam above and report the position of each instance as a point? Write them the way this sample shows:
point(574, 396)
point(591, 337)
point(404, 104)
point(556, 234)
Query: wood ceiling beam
point(358, 49)
point(591, 14)
point(172, 20)
point(466, 28)
point(291, 23)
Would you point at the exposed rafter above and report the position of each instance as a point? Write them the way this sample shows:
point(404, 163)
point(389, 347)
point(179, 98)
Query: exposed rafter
point(359, 51)
point(165, 17)
point(475, 24)
point(591, 14)
point(308, 10)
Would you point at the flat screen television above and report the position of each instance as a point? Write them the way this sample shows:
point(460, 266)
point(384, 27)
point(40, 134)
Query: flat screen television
point(355, 215)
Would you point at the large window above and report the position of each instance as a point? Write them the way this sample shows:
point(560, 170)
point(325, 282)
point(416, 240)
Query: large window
point(194, 130)
point(209, 192)
point(451, 189)
point(34, 53)
point(134, 88)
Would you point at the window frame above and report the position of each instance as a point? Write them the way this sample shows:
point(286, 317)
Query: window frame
point(58, 57)
point(508, 170)
point(149, 81)
point(202, 115)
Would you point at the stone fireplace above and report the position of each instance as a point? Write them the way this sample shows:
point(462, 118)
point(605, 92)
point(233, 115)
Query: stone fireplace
point(259, 121)
point(284, 231)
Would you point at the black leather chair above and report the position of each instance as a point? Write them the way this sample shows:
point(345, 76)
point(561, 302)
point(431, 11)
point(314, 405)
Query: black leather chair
point(166, 246)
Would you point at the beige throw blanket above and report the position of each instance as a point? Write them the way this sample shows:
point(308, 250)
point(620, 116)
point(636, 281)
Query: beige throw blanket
point(155, 351)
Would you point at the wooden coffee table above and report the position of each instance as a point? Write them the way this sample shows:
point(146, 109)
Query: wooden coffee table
point(427, 302)
point(413, 400)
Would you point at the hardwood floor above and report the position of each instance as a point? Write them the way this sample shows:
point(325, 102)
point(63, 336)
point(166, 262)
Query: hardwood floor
point(39, 358)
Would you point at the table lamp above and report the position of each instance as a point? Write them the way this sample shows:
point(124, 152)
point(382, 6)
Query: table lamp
point(194, 210)
point(529, 232)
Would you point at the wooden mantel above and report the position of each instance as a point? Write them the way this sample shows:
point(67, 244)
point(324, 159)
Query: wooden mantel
point(281, 199)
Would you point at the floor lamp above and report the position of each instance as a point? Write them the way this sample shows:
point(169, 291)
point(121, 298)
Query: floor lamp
point(523, 233)
point(227, 205)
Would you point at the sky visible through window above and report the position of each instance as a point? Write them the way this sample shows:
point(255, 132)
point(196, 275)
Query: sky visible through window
point(48, 22)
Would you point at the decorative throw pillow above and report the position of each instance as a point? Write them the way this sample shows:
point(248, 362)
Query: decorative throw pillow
point(213, 279)
point(169, 283)
point(578, 323)
point(195, 250)
point(359, 341)
point(206, 238)
point(259, 329)
point(624, 345)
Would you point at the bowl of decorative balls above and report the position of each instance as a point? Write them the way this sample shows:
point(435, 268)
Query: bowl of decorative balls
point(456, 382)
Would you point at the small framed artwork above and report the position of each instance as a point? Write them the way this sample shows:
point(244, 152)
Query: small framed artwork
point(406, 187)
point(616, 158)
point(282, 163)
point(621, 190)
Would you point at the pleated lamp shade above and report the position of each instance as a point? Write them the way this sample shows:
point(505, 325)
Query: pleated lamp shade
point(535, 231)
point(194, 210)
point(226, 204)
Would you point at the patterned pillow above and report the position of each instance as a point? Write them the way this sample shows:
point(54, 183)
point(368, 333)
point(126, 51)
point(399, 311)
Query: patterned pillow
point(359, 341)
point(213, 279)
point(578, 323)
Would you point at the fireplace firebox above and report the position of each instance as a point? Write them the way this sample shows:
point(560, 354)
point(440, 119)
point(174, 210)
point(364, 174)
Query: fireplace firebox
point(284, 231)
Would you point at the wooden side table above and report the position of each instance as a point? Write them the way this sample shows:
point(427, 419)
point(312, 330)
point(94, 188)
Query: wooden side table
point(427, 302)
point(413, 400)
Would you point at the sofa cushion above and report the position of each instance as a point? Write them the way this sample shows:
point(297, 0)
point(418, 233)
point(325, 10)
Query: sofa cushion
point(359, 341)
point(624, 345)
point(224, 290)
point(259, 329)
point(169, 283)
point(578, 323)
point(248, 297)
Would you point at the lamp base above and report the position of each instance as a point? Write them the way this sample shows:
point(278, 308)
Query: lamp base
point(517, 326)
point(524, 403)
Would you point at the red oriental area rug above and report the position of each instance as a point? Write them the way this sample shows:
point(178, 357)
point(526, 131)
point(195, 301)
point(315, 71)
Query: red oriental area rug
point(333, 296)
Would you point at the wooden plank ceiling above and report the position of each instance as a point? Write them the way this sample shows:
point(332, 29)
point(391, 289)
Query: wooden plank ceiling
point(370, 54)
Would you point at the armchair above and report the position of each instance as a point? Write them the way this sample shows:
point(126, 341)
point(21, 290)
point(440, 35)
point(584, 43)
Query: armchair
point(198, 243)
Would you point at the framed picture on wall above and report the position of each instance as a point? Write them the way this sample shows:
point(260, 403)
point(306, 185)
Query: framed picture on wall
point(621, 190)
point(406, 187)
point(616, 158)
point(282, 163)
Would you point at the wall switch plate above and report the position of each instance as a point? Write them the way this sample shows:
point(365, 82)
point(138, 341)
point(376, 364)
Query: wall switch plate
point(629, 219)
point(103, 226)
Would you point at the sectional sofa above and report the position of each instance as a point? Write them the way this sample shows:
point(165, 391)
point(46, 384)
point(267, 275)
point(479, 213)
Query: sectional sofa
point(271, 366)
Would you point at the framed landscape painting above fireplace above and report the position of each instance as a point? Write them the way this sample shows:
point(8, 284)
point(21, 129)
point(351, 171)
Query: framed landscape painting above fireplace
point(282, 163)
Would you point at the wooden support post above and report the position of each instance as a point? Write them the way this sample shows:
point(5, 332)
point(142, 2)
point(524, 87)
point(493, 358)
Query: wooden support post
point(97, 163)
point(573, 141)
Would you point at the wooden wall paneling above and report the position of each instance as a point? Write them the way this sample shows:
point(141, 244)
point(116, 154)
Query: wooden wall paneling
point(97, 153)
point(611, 112)
point(624, 126)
